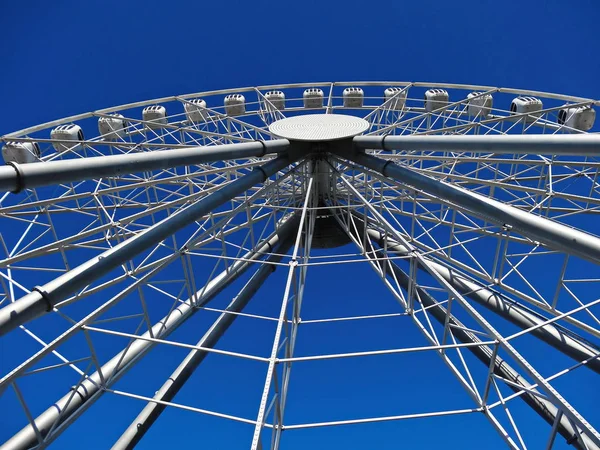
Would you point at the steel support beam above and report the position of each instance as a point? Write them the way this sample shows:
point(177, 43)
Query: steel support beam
point(289, 293)
point(146, 418)
point(551, 234)
point(538, 144)
point(564, 342)
point(81, 397)
point(42, 299)
point(540, 405)
point(16, 177)
point(487, 356)
point(552, 394)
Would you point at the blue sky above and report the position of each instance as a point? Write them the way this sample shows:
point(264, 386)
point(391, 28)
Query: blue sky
point(64, 58)
point(67, 58)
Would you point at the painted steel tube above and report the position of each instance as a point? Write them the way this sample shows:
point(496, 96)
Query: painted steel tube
point(564, 342)
point(544, 408)
point(16, 177)
point(43, 298)
point(152, 411)
point(75, 403)
point(532, 144)
point(551, 234)
point(575, 348)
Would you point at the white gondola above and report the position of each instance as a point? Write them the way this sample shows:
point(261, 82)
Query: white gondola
point(276, 98)
point(70, 132)
point(235, 105)
point(353, 97)
point(527, 105)
point(436, 99)
point(112, 128)
point(195, 110)
point(479, 104)
point(313, 98)
point(580, 118)
point(155, 115)
point(21, 152)
point(399, 98)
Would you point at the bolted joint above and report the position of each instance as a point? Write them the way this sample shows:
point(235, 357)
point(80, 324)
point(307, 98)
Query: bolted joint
point(19, 179)
point(264, 147)
point(264, 174)
point(45, 297)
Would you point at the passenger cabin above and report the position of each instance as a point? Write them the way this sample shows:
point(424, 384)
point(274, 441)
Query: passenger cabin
point(112, 128)
point(399, 98)
point(479, 104)
point(70, 132)
point(436, 99)
point(276, 98)
point(195, 110)
point(580, 118)
point(155, 116)
point(235, 105)
point(353, 97)
point(21, 152)
point(313, 98)
point(527, 105)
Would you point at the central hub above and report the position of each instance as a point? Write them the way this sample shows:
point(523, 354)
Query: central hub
point(319, 127)
point(322, 133)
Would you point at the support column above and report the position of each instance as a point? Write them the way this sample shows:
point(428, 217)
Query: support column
point(287, 296)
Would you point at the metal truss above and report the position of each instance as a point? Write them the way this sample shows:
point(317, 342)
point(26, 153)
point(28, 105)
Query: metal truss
point(122, 248)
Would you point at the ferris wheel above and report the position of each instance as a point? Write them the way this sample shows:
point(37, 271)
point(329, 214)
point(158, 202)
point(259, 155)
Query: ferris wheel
point(135, 241)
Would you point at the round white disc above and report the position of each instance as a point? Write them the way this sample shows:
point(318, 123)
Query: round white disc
point(319, 127)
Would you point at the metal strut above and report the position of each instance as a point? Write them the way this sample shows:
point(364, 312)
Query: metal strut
point(553, 144)
point(75, 402)
point(551, 234)
point(564, 342)
point(35, 304)
point(543, 407)
point(152, 411)
point(16, 177)
point(551, 393)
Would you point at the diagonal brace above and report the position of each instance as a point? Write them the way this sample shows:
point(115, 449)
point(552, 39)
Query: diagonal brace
point(42, 299)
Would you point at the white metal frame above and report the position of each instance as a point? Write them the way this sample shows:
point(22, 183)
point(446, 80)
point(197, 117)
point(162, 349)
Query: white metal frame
point(399, 205)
